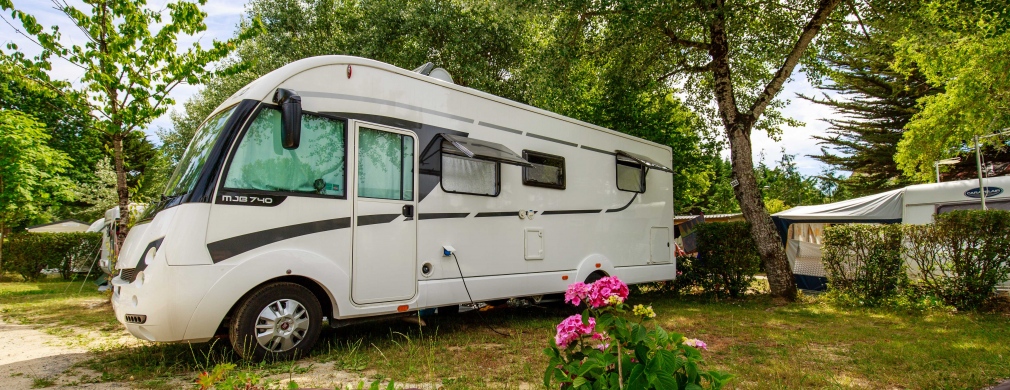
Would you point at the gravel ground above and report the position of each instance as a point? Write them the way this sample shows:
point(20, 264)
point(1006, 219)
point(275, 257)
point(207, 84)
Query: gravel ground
point(29, 357)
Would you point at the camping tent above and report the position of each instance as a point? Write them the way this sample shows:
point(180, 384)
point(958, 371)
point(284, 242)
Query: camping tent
point(64, 226)
point(801, 227)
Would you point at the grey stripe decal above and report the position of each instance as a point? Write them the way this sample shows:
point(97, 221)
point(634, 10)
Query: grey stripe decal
point(386, 102)
point(226, 248)
point(424, 216)
point(625, 206)
point(365, 220)
point(598, 150)
point(559, 212)
point(498, 214)
point(552, 139)
point(502, 128)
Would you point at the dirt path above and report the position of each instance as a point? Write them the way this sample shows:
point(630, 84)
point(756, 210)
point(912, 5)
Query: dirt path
point(31, 358)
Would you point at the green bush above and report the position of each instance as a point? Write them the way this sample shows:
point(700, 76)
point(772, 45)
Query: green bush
point(865, 261)
point(727, 259)
point(962, 257)
point(27, 254)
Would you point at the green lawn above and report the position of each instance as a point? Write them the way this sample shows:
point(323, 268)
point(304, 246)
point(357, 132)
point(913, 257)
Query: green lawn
point(800, 345)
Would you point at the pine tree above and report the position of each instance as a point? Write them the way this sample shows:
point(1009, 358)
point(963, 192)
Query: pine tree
point(877, 102)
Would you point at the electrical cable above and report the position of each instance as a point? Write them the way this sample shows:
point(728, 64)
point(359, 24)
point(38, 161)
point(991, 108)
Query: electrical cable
point(483, 321)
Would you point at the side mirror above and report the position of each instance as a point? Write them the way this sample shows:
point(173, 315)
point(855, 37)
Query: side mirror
point(291, 117)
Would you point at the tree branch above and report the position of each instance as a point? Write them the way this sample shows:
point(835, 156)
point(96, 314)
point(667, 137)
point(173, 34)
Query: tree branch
point(684, 67)
point(824, 9)
point(674, 39)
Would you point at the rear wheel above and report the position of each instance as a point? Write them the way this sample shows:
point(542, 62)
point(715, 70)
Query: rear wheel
point(279, 321)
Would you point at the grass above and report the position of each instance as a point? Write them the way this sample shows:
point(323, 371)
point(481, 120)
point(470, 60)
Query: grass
point(807, 344)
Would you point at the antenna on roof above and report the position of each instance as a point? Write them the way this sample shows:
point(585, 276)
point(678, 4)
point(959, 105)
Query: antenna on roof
point(425, 69)
point(430, 70)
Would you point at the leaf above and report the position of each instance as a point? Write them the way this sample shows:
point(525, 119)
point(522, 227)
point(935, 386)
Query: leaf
point(579, 381)
point(665, 381)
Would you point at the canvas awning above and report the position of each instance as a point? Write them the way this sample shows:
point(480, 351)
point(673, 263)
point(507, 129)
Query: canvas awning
point(884, 207)
point(474, 148)
point(645, 161)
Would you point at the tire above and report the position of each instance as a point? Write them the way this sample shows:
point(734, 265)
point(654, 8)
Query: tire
point(296, 332)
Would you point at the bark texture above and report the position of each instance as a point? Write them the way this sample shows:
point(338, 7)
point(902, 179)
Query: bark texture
point(121, 190)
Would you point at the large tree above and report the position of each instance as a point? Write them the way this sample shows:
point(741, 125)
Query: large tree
point(131, 62)
point(31, 172)
point(963, 46)
point(874, 103)
point(731, 58)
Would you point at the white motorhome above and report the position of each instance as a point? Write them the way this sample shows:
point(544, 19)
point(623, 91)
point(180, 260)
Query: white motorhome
point(346, 188)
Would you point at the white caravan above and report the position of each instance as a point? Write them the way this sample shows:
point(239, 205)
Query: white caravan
point(346, 188)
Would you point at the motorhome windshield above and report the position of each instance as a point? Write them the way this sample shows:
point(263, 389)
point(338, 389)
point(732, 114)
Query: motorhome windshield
point(186, 173)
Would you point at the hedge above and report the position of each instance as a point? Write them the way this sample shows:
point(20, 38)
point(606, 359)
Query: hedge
point(963, 256)
point(727, 259)
point(960, 258)
point(27, 254)
point(865, 261)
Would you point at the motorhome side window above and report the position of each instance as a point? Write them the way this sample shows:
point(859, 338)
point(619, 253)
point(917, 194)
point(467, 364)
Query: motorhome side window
point(465, 175)
point(548, 170)
point(316, 167)
point(386, 166)
point(630, 176)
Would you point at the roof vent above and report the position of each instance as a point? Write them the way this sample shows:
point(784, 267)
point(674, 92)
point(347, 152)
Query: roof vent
point(430, 70)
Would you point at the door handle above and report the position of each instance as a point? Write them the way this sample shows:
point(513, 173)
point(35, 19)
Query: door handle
point(408, 210)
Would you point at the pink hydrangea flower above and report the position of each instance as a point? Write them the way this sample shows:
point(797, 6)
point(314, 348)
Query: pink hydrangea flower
point(696, 343)
point(576, 293)
point(572, 328)
point(602, 291)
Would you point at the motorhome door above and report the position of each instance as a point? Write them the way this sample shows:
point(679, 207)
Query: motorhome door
point(384, 259)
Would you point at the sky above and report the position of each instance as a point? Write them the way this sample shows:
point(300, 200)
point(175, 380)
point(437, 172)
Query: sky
point(224, 15)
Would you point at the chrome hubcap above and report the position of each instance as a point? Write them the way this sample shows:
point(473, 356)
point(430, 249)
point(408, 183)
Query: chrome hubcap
point(282, 325)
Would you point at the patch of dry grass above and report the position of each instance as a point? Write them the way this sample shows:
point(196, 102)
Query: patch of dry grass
point(765, 344)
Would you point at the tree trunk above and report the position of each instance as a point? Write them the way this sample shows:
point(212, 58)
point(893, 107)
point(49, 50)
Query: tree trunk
point(122, 190)
point(766, 237)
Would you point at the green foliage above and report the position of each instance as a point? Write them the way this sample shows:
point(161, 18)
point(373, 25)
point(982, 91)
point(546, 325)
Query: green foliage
point(27, 254)
point(865, 261)
point(727, 258)
point(961, 46)
point(25, 87)
point(963, 256)
point(31, 172)
point(783, 187)
point(625, 353)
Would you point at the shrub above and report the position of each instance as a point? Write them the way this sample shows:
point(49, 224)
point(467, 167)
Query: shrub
point(963, 256)
point(865, 261)
point(601, 349)
point(29, 253)
point(727, 258)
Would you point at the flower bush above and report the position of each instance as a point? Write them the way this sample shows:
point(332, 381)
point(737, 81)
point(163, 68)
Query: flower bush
point(603, 349)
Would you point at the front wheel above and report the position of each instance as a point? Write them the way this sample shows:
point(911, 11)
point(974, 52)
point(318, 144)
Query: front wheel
point(278, 321)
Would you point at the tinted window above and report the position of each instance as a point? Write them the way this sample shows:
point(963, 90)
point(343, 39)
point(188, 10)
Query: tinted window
point(317, 166)
point(189, 167)
point(548, 170)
